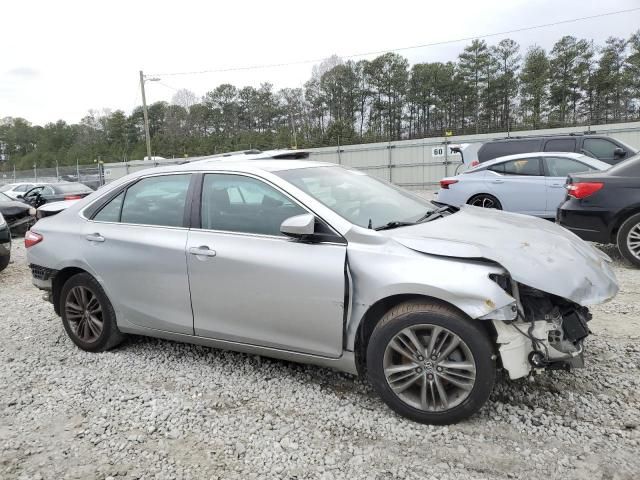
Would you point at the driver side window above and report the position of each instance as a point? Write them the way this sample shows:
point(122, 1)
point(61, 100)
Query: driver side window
point(235, 203)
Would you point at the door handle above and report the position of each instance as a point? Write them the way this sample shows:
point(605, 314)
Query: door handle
point(557, 185)
point(202, 251)
point(497, 181)
point(95, 237)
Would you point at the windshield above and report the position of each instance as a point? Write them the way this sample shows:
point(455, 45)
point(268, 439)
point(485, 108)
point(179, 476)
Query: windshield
point(361, 199)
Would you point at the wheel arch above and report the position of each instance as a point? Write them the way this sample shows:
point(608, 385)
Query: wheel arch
point(620, 218)
point(377, 310)
point(58, 282)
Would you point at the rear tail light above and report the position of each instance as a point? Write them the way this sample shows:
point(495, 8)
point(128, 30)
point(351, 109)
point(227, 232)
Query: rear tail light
point(583, 189)
point(445, 182)
point(73, 197)
point(475, 163)
point(32, 238)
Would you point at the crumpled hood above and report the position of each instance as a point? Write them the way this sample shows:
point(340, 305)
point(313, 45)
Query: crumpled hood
point(535, 252)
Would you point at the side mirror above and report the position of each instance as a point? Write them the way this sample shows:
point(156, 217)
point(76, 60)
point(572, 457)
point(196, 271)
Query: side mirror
point(20, 196)
point(300, 226)
point(619, 152)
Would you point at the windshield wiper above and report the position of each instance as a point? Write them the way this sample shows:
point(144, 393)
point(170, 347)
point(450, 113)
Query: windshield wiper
point(433, 214)
point(394, 224)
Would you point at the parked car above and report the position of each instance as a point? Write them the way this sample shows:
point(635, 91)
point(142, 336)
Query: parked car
point(55, 192)
point(312, 262)
point(5, 243)
point(532, 183)
point(14, 190)
point(16, 214)
point(604, 207)
point(602, 147)
point(53, 208)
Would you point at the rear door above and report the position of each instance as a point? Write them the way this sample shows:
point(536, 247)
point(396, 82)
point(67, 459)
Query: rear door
point(519, 185)
point(556, 171)
point(253, 285)
point(136, 246)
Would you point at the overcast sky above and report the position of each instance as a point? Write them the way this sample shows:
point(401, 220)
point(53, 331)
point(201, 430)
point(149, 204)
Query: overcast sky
point(61, 58)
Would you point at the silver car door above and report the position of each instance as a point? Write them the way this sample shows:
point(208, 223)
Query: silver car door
point(251, 284)
point(519, 185)
point(557, 169)
point(136, 245)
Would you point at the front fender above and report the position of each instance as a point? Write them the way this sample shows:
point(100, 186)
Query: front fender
point(377, 275)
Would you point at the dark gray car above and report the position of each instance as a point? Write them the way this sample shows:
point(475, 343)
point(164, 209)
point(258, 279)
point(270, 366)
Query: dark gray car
point(602, 147)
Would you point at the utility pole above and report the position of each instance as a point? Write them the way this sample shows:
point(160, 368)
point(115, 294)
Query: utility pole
point(146, 116)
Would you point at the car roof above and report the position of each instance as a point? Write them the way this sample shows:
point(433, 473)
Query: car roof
point(254, 162)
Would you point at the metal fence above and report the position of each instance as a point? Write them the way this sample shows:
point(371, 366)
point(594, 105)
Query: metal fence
point(415, 164)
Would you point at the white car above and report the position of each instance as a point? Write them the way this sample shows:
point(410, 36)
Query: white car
point(528, 183)
point(14, 190)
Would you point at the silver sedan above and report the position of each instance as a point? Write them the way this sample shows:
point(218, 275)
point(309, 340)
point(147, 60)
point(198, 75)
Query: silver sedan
point(311, 262)
point(530, 183)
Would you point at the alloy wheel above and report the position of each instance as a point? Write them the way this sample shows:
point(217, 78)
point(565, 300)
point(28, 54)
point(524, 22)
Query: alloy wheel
point(429, 367)
point(84, 314)
point(633, 240)
point(484, 202)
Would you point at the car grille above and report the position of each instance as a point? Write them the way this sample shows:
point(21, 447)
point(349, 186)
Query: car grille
point(42, 273)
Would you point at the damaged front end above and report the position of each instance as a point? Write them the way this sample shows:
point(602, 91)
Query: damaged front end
point(545, 331)
point(18, 216)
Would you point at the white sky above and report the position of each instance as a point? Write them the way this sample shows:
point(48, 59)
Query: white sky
point(61, 58)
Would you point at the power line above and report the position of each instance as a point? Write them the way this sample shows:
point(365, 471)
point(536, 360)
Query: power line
point(399, 49)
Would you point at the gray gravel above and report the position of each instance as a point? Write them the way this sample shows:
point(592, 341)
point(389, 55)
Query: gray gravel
point(158, 409)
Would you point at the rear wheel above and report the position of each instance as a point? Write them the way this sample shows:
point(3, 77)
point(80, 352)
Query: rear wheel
point(485, 200)
point(4, 261)
point(87, 314)
point(430, 364)
point(628, 239)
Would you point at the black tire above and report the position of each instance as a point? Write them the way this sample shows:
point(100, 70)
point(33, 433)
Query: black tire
point(630, 227)
point(419, 314)
point(4, 261)
point(481, 199)
point(109, 335)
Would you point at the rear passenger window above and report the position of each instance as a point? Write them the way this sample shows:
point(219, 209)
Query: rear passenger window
point(156, 201)
point(524, 166)
point(111, 211)
point(560, 145)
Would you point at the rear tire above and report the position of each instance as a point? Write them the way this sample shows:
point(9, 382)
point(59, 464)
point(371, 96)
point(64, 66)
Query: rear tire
point(485, 200)
point(628, 239)
point(87, 314)
point(441, 364)
point(4, 261)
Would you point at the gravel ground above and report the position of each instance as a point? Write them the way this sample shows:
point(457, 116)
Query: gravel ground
point(159, 409)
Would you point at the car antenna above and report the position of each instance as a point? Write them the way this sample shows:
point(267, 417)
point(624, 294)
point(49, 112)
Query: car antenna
point(370, 226)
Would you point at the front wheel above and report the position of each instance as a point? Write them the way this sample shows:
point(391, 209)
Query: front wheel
point(87, 314)
point(430, 364)
point(629, 239)
point(485, 200)
point(4, 262)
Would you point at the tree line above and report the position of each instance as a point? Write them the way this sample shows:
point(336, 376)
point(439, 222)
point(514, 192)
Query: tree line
point(488, 88)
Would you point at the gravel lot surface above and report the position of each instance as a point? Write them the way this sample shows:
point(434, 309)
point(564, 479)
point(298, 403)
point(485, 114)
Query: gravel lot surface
point(159, 409)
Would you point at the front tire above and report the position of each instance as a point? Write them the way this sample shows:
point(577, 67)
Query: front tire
point(87, 314)
point(628, 239)
point(430, 364)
